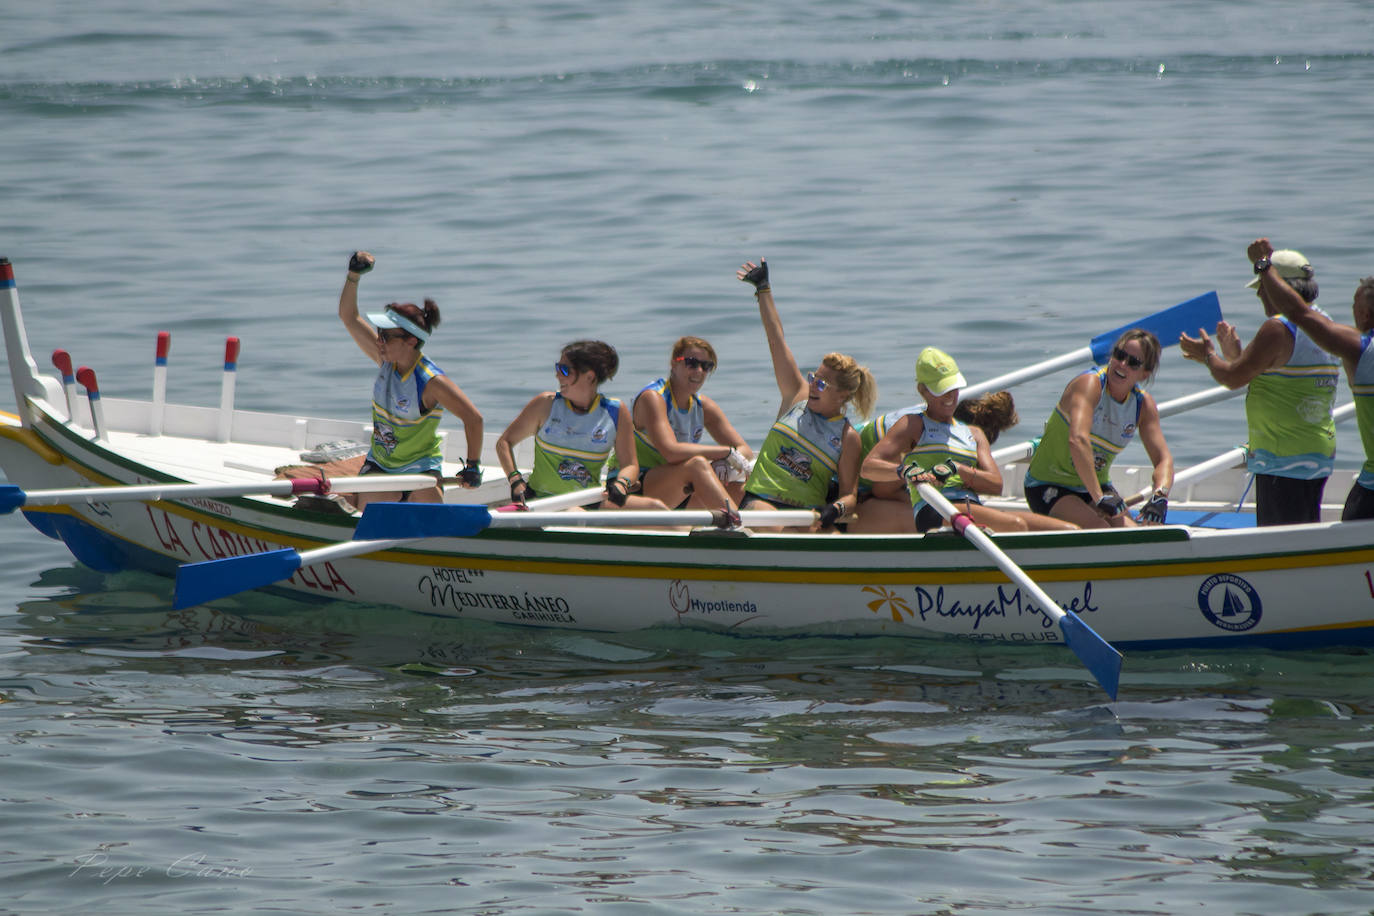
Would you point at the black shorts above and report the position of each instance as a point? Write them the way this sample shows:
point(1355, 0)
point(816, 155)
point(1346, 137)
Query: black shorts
point(775, 503)
point(928, 518)
point(1041, 498)
point(1359, 503)
point(1287, 500)
point(371, 467)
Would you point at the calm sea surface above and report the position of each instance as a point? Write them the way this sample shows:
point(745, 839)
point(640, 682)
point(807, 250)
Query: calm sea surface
point(1000, 179)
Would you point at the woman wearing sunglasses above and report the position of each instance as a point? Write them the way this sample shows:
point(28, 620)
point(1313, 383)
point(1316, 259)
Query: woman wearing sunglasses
point(410, 394)
point(671, 417)
point(812, 443)
point(1100, 412)
point(576, 429)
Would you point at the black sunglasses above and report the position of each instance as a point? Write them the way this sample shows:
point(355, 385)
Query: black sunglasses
point(1135, 362)
point(693, 363)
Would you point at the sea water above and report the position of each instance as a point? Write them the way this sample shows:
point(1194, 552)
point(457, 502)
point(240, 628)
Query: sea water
point(1000, 179)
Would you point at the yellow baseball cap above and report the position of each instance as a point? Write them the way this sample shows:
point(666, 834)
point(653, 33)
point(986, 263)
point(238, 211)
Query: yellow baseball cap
point(938, 371)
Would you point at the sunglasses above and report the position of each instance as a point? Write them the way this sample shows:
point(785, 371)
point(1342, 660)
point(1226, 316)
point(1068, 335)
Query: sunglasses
point(694, 363)
point(820, 383)
point(392, 335)
point(563, 369)
point(1120, 355)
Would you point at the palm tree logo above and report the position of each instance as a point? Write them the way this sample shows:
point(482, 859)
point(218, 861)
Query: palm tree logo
point(887, 599)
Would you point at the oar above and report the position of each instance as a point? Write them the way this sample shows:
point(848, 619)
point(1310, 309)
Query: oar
point(1095, 652)
point(1022, 450)
point(198, 583)
point(1218, 463)
point(12, 497)
point(1200, 312)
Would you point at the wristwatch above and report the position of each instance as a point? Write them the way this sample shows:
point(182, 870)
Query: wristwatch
point(1261, 265)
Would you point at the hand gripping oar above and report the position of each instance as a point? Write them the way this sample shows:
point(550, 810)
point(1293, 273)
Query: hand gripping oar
point(1095, 652)
point(12, 497)
point(387, 525)
point(1200, 312)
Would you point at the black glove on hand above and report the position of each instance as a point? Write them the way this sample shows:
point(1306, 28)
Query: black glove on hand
point(1111, 504)
point(519, 491)
point(1156, 509)
point(617, 491)
point(360, 262)
point(471, 474)
point(758, 276)
point(831, 514)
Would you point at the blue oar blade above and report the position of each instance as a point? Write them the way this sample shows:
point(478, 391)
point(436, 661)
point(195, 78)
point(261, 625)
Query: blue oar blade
point(385, 521)
point(1200, 313)
point(198, 583)
point(1095, 652)
point(11, 498)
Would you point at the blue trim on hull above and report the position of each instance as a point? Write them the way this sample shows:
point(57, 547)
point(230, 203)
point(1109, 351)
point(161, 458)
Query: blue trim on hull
point(99, 549)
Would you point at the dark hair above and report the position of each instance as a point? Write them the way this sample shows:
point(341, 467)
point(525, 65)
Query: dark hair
point(1303, 286)
point(595, 355)
point(991, 412)
point(427, 319)
point(1149, 343)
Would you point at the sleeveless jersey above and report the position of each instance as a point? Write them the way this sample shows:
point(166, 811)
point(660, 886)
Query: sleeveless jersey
point(1288, 412)
point(688, 425)
point(943, 443)
point(1363, 387)
point(872, 432)
point(799, 458)
point(1113, 428)
point(571, 448)
point(405, 436)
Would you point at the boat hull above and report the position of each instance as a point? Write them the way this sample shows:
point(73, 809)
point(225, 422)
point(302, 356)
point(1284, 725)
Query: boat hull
point(1145, 588)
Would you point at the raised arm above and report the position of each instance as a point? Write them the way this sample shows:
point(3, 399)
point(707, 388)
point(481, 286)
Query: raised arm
point(1340, 340)
point(791, 383)
point(362, 332)
point(1271, 347)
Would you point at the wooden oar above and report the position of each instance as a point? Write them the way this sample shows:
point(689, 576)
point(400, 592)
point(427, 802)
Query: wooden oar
point(1218, 463)
point(1200, 312)
point(1095, 652)
point(1022, 450)
point(387, 525)
point(12, 497)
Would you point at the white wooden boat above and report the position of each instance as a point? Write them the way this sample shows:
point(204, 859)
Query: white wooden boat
point(1167, 586)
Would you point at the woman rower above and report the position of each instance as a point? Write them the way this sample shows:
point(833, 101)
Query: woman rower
point(1099, 413)
point(575, 430)
point(410, 394)
point(812, 444)
point(919, 442)
point(670, 417)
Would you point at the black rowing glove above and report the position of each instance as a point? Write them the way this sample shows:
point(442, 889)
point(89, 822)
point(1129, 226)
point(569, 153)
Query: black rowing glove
point(1156, 509)
point(758, 276)
point(360, 262)
point(831, 514)
point(471, 474)
point(1111, 504)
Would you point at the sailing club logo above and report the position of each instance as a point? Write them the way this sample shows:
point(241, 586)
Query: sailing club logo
point(1229, 602)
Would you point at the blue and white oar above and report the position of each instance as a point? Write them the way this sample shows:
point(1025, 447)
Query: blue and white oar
point(1200, 312)
point(1095, 652)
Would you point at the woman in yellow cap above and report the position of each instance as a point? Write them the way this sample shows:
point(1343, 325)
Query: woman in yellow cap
point(918, 442)
point(1098, 415)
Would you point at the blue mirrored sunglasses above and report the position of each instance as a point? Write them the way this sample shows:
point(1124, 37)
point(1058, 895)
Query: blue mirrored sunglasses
point(563, 369)
point(820, 383)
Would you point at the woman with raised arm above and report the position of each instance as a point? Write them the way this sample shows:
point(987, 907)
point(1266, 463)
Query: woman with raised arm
point(671, 416)
point(1098, 415)
point(410, 394)
point(575, 430)
point(918, 443)
point(812, 444)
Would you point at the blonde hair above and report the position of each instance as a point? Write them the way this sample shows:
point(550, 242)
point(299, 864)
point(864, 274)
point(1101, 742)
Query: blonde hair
point(855, 380)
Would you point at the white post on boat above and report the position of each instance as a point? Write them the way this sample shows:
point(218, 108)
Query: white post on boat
point(23, 370)
point(62, 361)
point(226, 391)
point(164, 345)
point(86, 376)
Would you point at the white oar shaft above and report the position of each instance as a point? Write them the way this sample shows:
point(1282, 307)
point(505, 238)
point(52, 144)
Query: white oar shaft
point(1076, 358)
point(371, 484)
point(968, 529)
point(650, 518)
